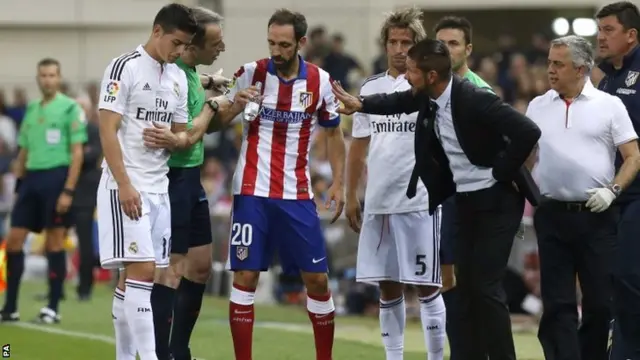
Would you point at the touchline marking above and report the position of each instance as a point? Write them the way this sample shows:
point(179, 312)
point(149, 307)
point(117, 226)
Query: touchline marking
point(69, 333)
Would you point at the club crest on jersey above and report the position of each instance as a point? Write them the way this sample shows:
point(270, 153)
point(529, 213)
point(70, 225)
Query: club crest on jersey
point(306, 97)
point(176, 88)
point(632, 77)
point(242, 252)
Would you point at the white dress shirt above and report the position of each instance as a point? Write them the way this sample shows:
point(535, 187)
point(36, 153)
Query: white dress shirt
point(579, 141)
point(467, 176)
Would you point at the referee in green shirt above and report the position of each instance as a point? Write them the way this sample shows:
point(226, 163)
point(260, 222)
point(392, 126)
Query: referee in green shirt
point(456, 32)
point(49, 162)
point(191, 235)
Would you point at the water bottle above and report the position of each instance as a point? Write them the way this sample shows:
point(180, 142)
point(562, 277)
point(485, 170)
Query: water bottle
point(252, 108)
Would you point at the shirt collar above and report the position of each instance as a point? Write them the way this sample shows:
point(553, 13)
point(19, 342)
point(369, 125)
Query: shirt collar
point(146, 55)
point(627, 60)
point(588, 91)
point(302, 71)
point(443, 99)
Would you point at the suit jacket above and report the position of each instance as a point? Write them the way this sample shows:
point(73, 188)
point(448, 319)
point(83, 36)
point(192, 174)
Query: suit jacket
point(490, 132)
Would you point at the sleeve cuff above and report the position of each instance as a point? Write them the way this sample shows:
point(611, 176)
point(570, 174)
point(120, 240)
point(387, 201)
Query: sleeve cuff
point(331, 123)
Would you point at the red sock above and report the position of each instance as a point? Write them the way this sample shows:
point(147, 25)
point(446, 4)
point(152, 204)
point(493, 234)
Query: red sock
point(241, 318)
point(321, 313)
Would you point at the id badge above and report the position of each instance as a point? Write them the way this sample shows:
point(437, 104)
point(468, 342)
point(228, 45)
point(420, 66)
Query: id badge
point(53, 136)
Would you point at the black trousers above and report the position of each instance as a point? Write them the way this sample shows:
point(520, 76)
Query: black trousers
point(84, 205)
point(574, 241)
point(626, 284)
point(486, 223)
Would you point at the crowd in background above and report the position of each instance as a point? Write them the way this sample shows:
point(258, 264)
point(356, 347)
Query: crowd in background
point(517, 73)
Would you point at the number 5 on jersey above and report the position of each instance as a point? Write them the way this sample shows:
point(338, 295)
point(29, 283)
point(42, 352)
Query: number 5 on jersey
point(241, 234)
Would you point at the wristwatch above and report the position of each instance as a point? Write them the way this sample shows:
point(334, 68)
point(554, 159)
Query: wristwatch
point(213, 105)
point(615, 189)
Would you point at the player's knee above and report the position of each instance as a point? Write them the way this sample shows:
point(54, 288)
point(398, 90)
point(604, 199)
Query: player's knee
point(141, 271)
point(198, 266)
point(246, 278)
point(54, 239)
point(169, 276)
point(390, 290)
point(316, 283)
point(426, 291)
point(16, 239)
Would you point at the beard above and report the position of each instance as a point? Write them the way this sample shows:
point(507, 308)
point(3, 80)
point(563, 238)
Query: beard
point(283, 65)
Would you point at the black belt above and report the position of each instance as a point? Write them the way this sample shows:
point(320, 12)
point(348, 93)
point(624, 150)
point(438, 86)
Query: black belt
point(570, 206)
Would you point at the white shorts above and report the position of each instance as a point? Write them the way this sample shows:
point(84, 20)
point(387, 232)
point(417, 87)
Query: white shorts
point(402, 248)
point(122, 240)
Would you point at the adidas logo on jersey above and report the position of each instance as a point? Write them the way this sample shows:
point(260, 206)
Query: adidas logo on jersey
point(146, 87)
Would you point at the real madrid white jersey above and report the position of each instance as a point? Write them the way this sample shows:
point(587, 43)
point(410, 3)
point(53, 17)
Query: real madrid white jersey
point(391, 157)
point(144, 92)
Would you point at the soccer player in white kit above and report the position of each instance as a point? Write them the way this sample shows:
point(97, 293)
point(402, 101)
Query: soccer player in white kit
point(139, 89)
point(399, 240)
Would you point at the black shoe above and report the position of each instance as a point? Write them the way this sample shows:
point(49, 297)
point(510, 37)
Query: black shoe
point(84, 297)
point(9, 317)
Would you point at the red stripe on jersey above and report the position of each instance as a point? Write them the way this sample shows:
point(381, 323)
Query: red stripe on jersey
point(279, 142)
point(302, 183)
point(250, 173)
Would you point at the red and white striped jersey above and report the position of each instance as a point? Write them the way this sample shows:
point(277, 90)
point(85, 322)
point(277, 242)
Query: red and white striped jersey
point(274, 158)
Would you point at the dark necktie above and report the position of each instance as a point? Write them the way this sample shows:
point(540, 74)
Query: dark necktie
point(428, 123)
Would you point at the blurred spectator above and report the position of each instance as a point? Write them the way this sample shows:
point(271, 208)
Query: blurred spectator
point(19, 107)
point(537, 55)
point(318, 46)
point(84, 203)
point(8, 129)
point(213, 179)
point(380, 62)
point(340, 65)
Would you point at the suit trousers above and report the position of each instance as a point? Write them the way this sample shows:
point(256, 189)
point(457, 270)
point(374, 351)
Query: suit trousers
point(626, 284)
point(486, 223)
point(574, 241)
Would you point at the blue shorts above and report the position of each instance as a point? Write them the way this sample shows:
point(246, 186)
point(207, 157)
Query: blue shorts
point(190, 220)
point(37, 197)
point(259, 226)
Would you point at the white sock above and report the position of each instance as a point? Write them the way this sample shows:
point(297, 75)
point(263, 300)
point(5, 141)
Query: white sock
point(137, 306)
point(393, 318)
point(433, 315)
point(125, 349)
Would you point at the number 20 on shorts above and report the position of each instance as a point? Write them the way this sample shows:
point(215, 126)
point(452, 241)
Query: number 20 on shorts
point(241, 234)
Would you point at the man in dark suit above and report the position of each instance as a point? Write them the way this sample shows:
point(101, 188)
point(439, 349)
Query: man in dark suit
point(468, 143)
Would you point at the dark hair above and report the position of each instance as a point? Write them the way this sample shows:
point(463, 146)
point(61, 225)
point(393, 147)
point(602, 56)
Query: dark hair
point(174, 17)
point(317, 31)
point(49, 62)
point(432, 55)
point(288, 17)
point(458, 23)
point(204, 17)
point(626, 12)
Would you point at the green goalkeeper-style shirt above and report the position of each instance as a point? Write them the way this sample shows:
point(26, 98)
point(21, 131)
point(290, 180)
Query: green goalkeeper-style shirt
point(477, 80)
point(194, 156)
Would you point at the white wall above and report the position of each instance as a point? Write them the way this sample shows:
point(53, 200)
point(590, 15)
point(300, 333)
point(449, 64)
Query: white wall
point(86, 34)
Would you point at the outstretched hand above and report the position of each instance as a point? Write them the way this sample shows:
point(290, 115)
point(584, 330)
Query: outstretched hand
point(350, 103)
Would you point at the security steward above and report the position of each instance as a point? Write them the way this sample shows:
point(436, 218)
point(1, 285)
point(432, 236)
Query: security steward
point(618, 27)
point(47, 169)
